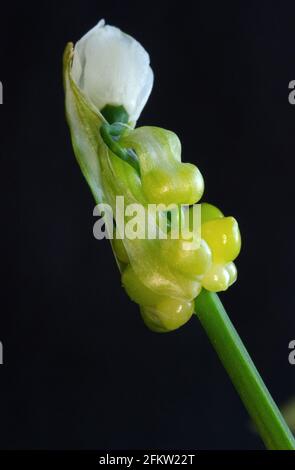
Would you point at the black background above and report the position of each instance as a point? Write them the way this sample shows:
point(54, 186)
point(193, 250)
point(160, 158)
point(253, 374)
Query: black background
point(80, 369)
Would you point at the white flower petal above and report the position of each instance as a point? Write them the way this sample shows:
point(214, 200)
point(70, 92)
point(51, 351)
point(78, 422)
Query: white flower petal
point(113, 68)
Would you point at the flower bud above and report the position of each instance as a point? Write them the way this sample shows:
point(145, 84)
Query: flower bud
point(111, 67)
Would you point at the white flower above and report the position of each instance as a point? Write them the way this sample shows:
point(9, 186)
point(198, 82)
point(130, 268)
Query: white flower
point(111, 67)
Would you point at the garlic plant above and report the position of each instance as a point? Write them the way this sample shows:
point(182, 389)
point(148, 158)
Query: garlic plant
point(107, 81)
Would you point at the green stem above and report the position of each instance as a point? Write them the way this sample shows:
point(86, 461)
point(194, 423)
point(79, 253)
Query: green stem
point(262, 409)
point(107, 133)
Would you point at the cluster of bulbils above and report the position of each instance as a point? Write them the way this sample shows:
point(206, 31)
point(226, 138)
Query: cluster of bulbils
point(167, 301)
point(108, 67)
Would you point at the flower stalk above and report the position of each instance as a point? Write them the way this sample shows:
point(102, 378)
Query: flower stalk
point(246, 379)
